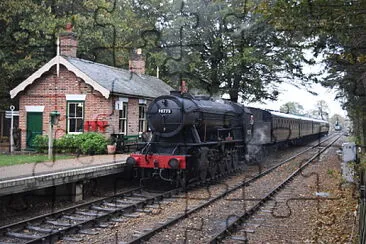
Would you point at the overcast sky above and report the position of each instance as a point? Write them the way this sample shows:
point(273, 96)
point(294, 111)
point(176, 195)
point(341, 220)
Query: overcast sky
point(289, 93)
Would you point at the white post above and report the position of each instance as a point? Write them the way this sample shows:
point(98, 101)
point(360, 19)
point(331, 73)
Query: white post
point(58, 57)
point(11, 134)
point(11, 129)
point(50, 141)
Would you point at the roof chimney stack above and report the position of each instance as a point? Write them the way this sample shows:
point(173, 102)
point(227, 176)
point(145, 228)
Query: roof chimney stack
point(68, 42)
point(136, 63)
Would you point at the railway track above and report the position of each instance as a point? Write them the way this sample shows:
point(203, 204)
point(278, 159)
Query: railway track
point(85, 218)
point(88, 218)
point(199, 203)
point(239, 220)
point(92, 218)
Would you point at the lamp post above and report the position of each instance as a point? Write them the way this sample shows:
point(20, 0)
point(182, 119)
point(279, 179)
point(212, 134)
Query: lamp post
point(54, 118)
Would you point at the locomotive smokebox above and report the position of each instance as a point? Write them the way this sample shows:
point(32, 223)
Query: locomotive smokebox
point(167, 115)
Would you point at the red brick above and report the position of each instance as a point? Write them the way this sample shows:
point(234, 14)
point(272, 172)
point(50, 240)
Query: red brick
point(50, 92)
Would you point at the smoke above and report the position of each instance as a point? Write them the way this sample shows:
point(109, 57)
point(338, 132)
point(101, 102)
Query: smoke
point(255, 144)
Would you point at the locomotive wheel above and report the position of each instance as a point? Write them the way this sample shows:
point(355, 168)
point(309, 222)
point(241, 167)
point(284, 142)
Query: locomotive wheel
point(212, 169)
point(222, 166)
point(213, 163)
point(203, 163)
point(228, 162)
point(183, 182)
point(182, 179)
point(203, 174)
point(235, 158)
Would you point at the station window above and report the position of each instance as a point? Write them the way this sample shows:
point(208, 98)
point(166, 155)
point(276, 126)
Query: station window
point(142, 118)
point(123, 118)
point(75, 117)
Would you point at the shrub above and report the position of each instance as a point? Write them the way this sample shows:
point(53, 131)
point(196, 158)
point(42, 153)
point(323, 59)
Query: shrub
point(87, 143)
point(66, 144)
point(40, 143)
point(91, 143)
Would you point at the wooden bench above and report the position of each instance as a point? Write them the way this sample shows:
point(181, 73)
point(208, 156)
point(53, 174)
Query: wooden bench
point(130, 141)
point(127, 143)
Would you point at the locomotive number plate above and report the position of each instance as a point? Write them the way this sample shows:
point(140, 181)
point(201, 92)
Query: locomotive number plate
point(164, 111)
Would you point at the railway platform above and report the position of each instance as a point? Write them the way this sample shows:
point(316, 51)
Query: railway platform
point(35, 176)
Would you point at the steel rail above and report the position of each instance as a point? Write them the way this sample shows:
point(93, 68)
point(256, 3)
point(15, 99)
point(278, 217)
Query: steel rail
point(103, 216)
point(235, 224)
point(147, 235)
point(55, 235)
point(58, 212)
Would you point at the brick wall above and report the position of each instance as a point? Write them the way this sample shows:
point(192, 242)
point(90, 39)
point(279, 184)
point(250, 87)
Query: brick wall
point(133, 117)
point(50, 91)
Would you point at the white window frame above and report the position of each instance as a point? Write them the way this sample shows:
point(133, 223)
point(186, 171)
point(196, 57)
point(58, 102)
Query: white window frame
point(123, 112)
point(76, 117)
point(142, 118)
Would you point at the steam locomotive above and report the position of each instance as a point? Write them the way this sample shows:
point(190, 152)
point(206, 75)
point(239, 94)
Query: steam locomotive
point(197, 137)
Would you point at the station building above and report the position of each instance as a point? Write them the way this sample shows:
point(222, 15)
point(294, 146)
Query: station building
point(88, 96)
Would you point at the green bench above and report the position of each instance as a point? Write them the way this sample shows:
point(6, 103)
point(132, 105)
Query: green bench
point(127, 143)
point(130, 142)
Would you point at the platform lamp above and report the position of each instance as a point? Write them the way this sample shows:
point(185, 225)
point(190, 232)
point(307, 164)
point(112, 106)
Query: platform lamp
point(54, 119)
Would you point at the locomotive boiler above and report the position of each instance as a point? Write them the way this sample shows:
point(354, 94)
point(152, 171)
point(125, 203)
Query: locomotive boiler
point(193, 136)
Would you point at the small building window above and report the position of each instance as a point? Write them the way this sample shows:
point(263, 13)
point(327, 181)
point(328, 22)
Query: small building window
point(123, 119)
point(75, 117)
point(142, 118)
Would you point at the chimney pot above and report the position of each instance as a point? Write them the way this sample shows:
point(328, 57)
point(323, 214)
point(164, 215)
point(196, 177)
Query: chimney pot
point(68, 27)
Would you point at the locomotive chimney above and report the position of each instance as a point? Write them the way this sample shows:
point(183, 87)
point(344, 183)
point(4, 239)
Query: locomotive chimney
point(68, 42)
point(137, 62)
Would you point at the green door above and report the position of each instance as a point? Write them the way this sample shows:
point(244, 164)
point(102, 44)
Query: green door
point(34, 127)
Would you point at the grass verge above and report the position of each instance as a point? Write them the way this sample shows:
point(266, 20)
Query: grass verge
point(6, 160)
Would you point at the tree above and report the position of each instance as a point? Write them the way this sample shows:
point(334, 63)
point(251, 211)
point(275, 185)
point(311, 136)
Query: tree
point(341, 120)
point(321, 110)
point(336, 30)
point(27, 41)
point(229, 49)
point(292, 108)
point(107, 31)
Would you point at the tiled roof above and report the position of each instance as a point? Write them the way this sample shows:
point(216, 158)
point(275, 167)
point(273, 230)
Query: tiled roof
point(121, 81)
point(103, 78)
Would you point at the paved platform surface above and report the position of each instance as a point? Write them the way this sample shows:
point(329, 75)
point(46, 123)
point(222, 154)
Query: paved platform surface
point(32, 169)
point(32, 176)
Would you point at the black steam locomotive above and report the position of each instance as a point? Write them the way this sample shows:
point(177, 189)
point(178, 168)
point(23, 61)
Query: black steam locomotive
point(196, 137)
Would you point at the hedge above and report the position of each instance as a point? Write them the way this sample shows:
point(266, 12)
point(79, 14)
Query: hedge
point(87, 143)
